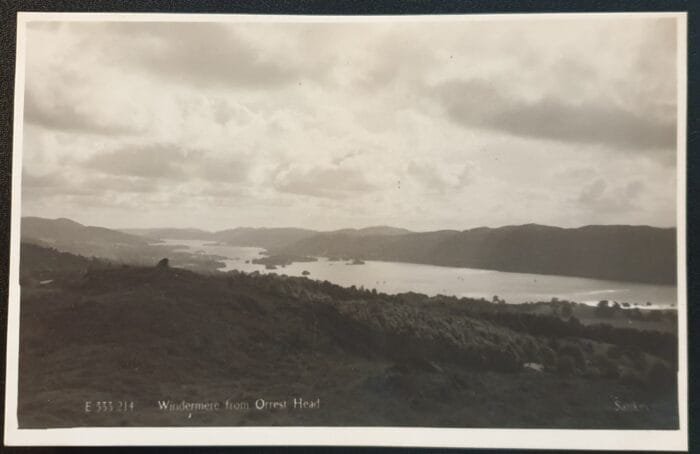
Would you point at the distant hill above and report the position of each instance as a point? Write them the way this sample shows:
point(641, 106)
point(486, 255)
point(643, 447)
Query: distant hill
point(64, 230)
point(69, 236)
point(169, 233)
point(258, 237)
point(268, 238)
point(611, 252)
point(616, 252)
point(375, 230)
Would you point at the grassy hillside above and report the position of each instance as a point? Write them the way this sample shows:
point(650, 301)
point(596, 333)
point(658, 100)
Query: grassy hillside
point(144, 334)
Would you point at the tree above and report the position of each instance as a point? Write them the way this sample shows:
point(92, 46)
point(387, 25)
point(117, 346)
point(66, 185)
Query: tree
point(603, 309)
point(567, 311)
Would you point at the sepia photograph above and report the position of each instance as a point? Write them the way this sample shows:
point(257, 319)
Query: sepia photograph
point(403, 223)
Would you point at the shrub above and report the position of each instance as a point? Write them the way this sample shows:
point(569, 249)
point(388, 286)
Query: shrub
point(575, 352)
point(637, 358)
point(567, 311)
point(633, 378)
point(547, 356)
point(566, 365)
point(655, 316)
point(504, 360)
point(614, 352)
point(553, 343)
point(607, 367)
point(660, 375)
point(528, 350)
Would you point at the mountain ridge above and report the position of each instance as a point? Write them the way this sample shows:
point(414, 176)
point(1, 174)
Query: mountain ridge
point(610, 252)
point(618, 253)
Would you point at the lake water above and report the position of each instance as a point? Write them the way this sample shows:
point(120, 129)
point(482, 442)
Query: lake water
point(394, 277)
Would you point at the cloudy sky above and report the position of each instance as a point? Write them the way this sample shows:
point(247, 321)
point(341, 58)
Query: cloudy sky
point(424, 125)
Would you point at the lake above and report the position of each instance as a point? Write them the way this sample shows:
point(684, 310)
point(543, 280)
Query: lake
point(394, 277)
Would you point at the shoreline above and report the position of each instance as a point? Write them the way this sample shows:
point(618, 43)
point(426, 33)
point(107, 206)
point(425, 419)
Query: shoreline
point(233, 263)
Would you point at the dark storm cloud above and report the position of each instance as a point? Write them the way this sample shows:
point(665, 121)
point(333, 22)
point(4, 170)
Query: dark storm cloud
point(61, 115)
point(476, 103)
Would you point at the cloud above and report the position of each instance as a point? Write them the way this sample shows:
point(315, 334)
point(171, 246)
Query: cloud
point(330, 181)
point(52, 180)
point(423, 124)
point(480, 104)
point(593, 192)
point(392, 60)
point(200, 54)
point(170, 162)
point(56, 184)
point(221, 170)
point(63, 115)
point(634, 189)
point(438, 177)
point(121, 184)
point(599, 197)
point(151, 161)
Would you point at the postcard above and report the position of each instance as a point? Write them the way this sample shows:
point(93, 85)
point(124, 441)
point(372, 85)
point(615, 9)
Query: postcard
point(436, 231)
